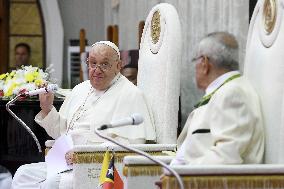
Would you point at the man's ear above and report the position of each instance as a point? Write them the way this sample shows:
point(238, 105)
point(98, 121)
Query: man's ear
point(206, 65)
point(119, 64)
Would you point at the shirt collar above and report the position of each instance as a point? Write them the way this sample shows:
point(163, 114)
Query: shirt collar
point(219, 81)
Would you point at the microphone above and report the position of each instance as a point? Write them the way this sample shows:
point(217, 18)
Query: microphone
point(140, 152)
point(48, 88)
point(21, 121)
point(134, 119)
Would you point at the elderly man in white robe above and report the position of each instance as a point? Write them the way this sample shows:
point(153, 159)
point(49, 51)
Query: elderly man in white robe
point(107, 96)
point(226, 127)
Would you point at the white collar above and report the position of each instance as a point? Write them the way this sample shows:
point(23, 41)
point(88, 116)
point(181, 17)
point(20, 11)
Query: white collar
point(219, 81)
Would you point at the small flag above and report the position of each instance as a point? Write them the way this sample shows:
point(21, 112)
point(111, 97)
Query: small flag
point(118, 183)
point(105, 166)
point(110, 178)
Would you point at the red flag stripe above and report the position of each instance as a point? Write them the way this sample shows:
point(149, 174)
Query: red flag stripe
point(118, 183)
point(108, 185)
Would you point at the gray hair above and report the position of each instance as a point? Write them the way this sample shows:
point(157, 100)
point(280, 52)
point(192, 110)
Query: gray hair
point(222, 50)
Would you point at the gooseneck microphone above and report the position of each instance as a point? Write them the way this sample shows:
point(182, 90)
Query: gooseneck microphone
point(48, 88)
point(134, 119)
point(11, 102)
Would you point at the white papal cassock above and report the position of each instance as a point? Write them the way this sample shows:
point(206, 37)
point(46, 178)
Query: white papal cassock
point(84, 110)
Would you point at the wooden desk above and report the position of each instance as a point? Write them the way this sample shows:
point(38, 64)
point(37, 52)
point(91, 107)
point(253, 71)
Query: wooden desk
point(17, 146)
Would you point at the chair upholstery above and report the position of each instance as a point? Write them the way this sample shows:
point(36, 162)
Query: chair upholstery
point(265, 69)
point(159, 69)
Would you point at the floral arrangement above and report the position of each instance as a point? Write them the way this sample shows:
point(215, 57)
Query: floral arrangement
point(25, 79)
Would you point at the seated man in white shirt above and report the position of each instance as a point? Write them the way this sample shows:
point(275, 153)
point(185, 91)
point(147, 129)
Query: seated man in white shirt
point(226, 126)
point(107, 96)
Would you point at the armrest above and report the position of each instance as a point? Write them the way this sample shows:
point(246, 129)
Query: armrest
point(94, 153)
point(143, 147)
point(253, 176)
point(88, 160)
point(244, 169)
point(140, 160)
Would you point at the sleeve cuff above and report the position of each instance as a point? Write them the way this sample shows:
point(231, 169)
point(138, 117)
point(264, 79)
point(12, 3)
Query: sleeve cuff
point(43, 121)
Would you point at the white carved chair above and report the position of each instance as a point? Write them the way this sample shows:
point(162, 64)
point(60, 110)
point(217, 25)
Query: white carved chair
point(265, 69)
point(159, 69)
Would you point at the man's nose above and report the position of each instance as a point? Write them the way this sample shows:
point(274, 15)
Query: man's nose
point(97, 69)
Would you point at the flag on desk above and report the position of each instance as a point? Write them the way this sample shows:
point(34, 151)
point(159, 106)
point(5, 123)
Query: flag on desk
point(104, 169)
point(110, 178)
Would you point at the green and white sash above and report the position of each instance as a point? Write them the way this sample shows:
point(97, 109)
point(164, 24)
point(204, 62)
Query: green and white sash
point(205, 99)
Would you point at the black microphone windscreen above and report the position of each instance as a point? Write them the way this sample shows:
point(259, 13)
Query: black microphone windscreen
point(103, 127)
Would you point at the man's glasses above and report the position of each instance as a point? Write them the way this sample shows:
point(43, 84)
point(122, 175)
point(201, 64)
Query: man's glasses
point(195, 60)
point(104, 66)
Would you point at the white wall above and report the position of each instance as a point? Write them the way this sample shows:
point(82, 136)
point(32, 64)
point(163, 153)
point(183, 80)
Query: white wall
point(76, 14)
point(54, 37)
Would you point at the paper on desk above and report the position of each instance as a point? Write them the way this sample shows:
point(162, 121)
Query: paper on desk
point(55, 158)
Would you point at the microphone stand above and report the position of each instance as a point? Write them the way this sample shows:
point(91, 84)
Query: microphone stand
point(21, 122)
point(145, 155)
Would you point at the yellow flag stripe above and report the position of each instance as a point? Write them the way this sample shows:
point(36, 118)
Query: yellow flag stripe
point(104, 167)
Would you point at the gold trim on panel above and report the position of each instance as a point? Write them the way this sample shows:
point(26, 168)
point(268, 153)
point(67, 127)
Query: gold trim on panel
point(155, 27)
point(225, 181)
point(269, 15)
point(97, 157)
point(142, 170)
